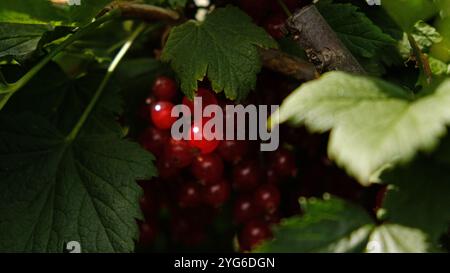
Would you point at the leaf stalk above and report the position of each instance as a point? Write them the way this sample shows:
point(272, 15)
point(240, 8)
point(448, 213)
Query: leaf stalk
point(112, 67)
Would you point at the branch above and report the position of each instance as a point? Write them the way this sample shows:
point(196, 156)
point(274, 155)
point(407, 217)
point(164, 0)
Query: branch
point(420, 58)
point(272, 59)
point(322, 45)
point(133, 10)
point(288, 65)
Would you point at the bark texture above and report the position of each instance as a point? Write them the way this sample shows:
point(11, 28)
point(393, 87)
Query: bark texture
point(288, 65)
point(323, 47)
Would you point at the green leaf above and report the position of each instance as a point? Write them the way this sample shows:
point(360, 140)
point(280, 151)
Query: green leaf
point(407, 12)
point(438, 67)
point(291, 47)
point(172, 3)
point(66, 99)
point(419, 195)
point(82, 190)
point(335, 225)
point(19, 40)
point(425, 37)
point(373, 123)
point(389, 55)
point(393, 238)
point(30, 12)
point(96, 46)
point(83, 14)
point(53, 191)
point(45, 12)
point(331, 225)
point(223, 48)
point(177, 3)
point(362, 37)
point(24, 22)
point(373, 66)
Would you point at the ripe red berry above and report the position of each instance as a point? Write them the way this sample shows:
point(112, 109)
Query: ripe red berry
point(271, 175)
point(253, 234)
point(199, 141)
point(166, 170)
point(284, 163)
point(207, 168)
point(246, 176)
point(244, 209)
point(208, 98)
point(216, 194)
point(154, 140)
point(164, 88)
point(148, 232)
point(178, 153)
point(272, 218)
point(189, 195)
point(267, 197)
point(161, 114)
point(232, 150)
point(274, 26)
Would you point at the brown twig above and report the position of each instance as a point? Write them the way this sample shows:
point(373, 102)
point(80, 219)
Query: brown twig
point(322, 45)
point(420, 58)
point(136, 10)
point(288, 65)
point(272, 59)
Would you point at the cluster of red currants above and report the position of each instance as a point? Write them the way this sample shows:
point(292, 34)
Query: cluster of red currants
point(200, 176)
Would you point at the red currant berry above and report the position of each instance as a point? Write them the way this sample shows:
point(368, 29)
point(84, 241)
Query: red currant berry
point(284, 163)
point(153, 140)
point(148, 232)
point(272, 218)
point(166, 170)
point(189, 195)
point(216, 194)
point(199, 141)
point(232, 150)
point(161, 114)
point(244, 209)
point(253, 234)
point(179, 153)
point(271, 175)
point(275, 25)
point(164, 88)
point(208, 98)
point(246, 176)
point(267, 197)
point(207, 168)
